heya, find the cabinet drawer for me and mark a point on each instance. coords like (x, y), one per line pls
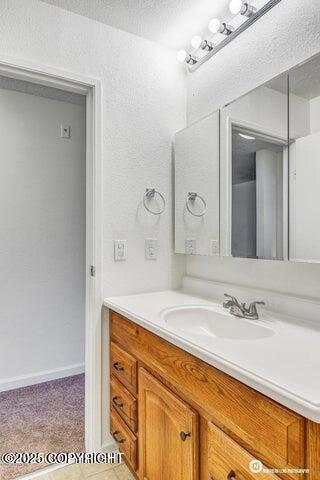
(261, 426)
(125, 439)
(124, 367)
(124, 403)
(228, 461)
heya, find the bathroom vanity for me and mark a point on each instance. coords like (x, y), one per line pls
(204, 404)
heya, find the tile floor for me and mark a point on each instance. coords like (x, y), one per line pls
(90, 472)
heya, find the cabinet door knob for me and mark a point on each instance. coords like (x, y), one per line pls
(184, 435)
(116, 403)
(231, 475)
(118, 367)
(115, 436)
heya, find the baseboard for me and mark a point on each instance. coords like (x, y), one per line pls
(40, 377)
(110, 447)
(41, 472)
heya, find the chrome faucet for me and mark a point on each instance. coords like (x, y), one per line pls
(240, 310)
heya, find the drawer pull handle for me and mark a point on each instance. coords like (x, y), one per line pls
(118, 367)
(115, 436)
(116, 403)
(184, 435)
(231, 475)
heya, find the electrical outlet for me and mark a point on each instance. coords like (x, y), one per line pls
(120, 250)
(214, 247)
(65, 131)
(151, 248)
(190, 246)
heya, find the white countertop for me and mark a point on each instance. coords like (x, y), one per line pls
(285, 366)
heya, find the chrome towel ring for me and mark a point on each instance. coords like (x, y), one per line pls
(150, 194)
(192, 196)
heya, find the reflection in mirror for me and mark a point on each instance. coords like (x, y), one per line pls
(305, 161)
(254, 174)
(257, 195)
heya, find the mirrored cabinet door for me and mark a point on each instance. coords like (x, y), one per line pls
(304, 177)
(254, 174)
(197, 188)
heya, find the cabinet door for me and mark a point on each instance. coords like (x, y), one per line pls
(227, 460)
(168, 433)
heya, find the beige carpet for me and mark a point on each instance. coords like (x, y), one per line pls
(48, 417)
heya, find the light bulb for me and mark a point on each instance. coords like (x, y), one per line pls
(196, 41)
(239, 6)
(214, 25)
(182, 55)
(235, 6)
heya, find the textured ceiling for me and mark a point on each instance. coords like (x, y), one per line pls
(169, 22)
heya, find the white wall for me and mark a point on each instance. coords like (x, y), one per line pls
(275, 43)
(42, 240)
(143, 106)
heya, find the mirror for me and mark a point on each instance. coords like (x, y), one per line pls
(197, 188)
(257, 195)
(305, 161)
(254, 174)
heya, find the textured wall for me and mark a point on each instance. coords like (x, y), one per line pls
(143, 106)
(285, 36)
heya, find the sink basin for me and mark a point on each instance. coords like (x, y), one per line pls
(213, 322)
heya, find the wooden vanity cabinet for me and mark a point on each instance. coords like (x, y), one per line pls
(197, 423)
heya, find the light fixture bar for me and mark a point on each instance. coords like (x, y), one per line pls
(250, 21)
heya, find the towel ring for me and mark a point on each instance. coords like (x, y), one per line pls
(192, 198)
(149, 194)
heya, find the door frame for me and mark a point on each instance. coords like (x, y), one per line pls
(226, 124)
(91, 88)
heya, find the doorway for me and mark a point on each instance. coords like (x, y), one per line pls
(70, 85)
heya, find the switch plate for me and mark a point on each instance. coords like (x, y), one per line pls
(65, 131)
(190, 246)
(151, 248)
(120, 250)
(215, 247)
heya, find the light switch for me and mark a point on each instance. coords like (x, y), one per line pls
(190, 246)
(120, 250)
(65, 131)
(214, 247)
(151, 248)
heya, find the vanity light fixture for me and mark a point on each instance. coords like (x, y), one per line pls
(230, 32)
(206, 45)
(184, 56)
(196, 41)
(215, 26)
(244, 8)
(181, 56)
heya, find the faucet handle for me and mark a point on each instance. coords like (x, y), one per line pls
(230, 297)
(231, 302)
(252, 310)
